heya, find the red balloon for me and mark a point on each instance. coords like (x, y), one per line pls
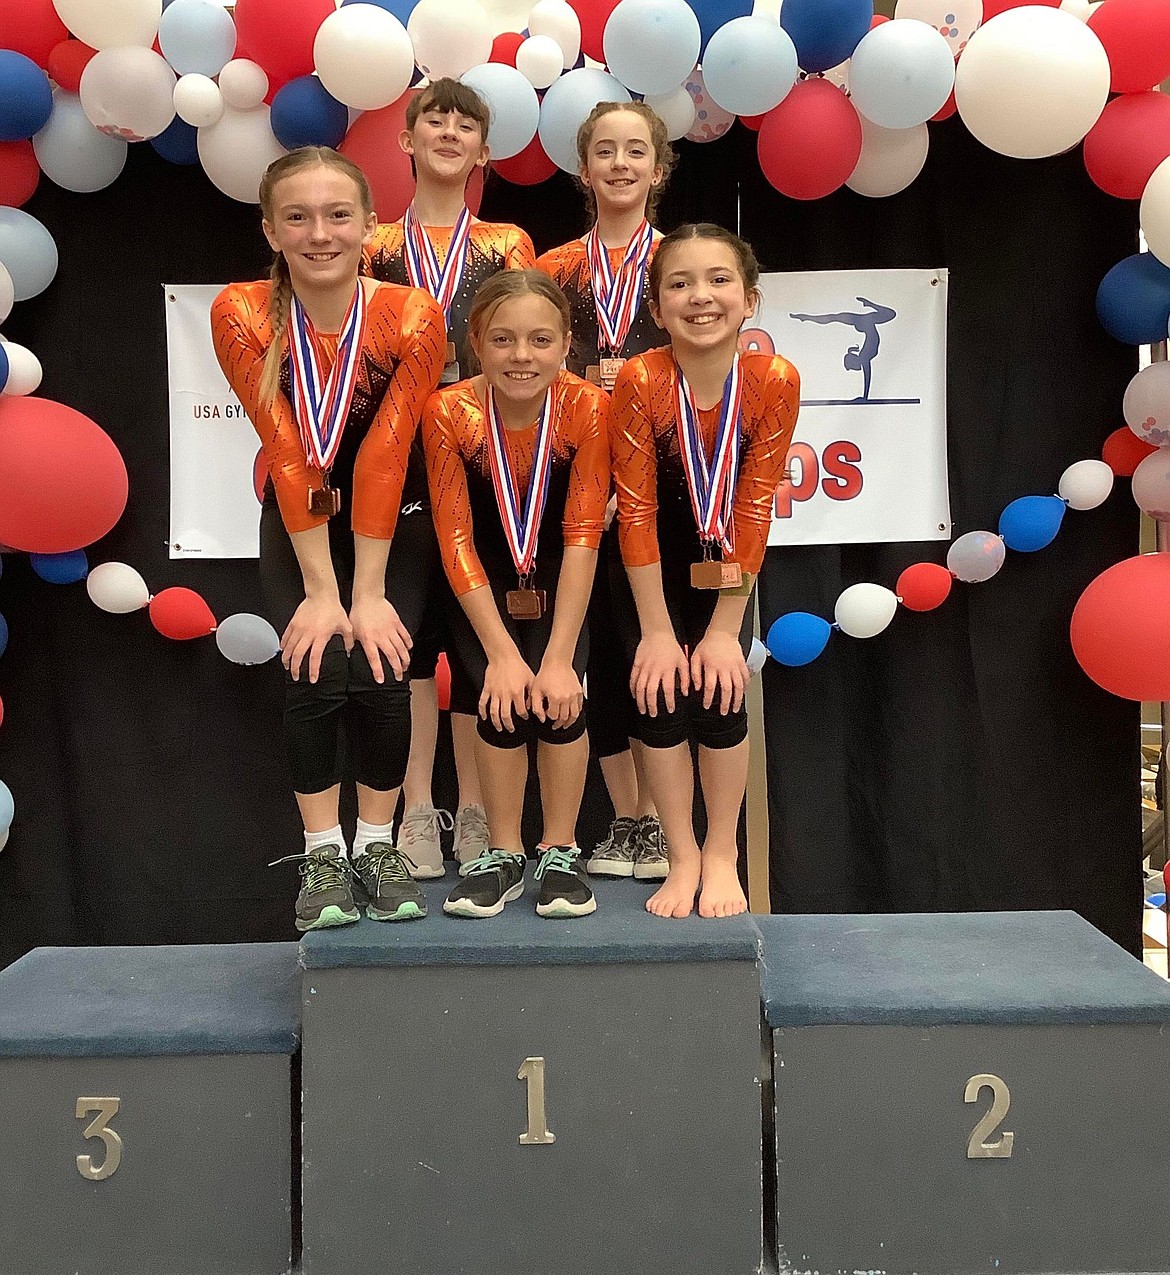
(279, 35)
(67, 61)
(593, 15)
(1129, 140)
(948, 108)
(181, 614)
(810, 143)
(372, 144)
(924, 586)
(877, 20)
(1120, 628)
(32, 27)
(992, 7)
(1123, 451)
(1, 712)
(63, 483)
(752, 121)
(19, 173)
(529, 168)
(504, 47)
(1136, 36)
(443, 682)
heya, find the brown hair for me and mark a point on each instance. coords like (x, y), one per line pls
(664, 155)
(749, 267)
(446, 95)
(281, 298)
(504, 286)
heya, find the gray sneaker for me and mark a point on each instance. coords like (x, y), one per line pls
(614, 857)
(471, 836)
(326, 897)
(419, 840)
(385, 886)
(650, 858)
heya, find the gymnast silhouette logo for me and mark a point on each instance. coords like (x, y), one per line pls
(859, 357)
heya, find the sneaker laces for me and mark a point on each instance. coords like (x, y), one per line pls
(387, 862)
(620, 832)
(556, 859)
(422, 823)
(472, 821)
(649, 836)
(321, 871)
(489, 862)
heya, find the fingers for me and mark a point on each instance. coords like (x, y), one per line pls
(315, 653)
(296, 655)
(739, 686)
(374, 655)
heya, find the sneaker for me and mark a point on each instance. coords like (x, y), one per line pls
(614, 857)
(325, 898)
(564, 891)
(418, 840)
(650, 861)
(385, 886)
(471, 837)
(491, 881)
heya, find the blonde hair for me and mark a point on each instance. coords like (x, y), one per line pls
(280, 300)
(506, 285)
(664, 156)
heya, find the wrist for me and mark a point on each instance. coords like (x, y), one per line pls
(322, 592)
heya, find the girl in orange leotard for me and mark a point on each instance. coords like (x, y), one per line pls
(333, 370)
(518, 464)
(699, 436)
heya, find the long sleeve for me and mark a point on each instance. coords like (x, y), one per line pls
(450, 502)
(635, 465)
(519, 254)
(586, 422)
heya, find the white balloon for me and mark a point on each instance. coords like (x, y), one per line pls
(976, 556)
(116, 587)
(513, 105)
(891, 158)
(236, 151)
(757, 656)
(74, 154)
(1150, 485)
(449, 41)
(864, 610)
(197, 37)
(7, 293)
(246, 639)
(651, 46)
(954, 20)
(128, 93)
(364, 56)
(243, 84)
(24, 370)
(104, 24)
(901, 73)
(1154, 214)
(1145, 405)
(676, 110)
(198, 101)
(565, 107)
(1086, 484)
(711, 120)
(4, 838)
(557, 19)
(27, 250)
(540, 60)
(1078, 8)
(749, 65)
(1032, 82)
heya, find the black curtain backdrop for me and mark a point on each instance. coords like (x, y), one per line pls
(959, 761)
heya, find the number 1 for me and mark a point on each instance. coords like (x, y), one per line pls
(532, 1071)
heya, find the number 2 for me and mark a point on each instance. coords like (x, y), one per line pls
(99, 1127)
(978, 1146)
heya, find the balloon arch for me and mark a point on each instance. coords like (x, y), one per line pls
(838, 96)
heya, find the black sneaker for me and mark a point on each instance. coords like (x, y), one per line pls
(325, 898)
(385, 886)
(650, 859)
(614, 857)
(564, 891)
(491, 881)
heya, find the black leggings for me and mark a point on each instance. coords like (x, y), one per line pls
(611, 706)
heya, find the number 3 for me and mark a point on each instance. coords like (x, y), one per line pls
(99, 1127)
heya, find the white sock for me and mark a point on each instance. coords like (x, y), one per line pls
(367, 832)
(330, 837)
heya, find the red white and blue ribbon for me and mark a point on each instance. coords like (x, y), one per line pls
(618, 294)
(521, 520)
(321, 403)
(422, 261)
(712, 486)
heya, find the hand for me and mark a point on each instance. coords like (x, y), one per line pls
(379, 631)
(658, 664)
(313, 623)
(556, 693)
(718, 665)
(506, 686)
(610, 511)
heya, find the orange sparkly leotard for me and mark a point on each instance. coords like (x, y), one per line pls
(402, 359)
(467, 517)
(655, 517)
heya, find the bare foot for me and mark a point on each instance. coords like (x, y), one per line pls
(676, 895)
(722, 893)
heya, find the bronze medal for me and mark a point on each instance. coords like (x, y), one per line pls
(715, 575)
(526, 603)
(324, 501)
(593, 374)
(608, 371)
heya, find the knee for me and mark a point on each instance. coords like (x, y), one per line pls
(713, 729)
(665, 729)
(547, 733)
(518, 738)
(331, 684)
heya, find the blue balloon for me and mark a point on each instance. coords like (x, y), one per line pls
(178, 143)
(712, 14)
(60, 568)
(1156, 901)
(825, 32)
(3, 635)
(26, 97)
(3, 368)
(1031, 522)
(798, 638)
(7, 807)
(401, 9)
(304, 113)
(1133, 301)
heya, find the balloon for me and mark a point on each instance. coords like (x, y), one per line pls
(181, 614)
(7, 293)
(443, 682)
(711, 120)
(279, 34)
(446, 47)
(891, 158)
(1154, 213)
(111, 22)
(1151, 485)
(1120, 628)
(1136, 37)
(651, 46)
(922, 586)
(1082, 9)
(540, 60)
(67, 62)
(1031, 522)
(1086, 484)
(954, 20)
(513, 104)
(364, 57)
(19, 173)
(197, 37)
(76, 156)
(305, 113)
(117, 588)
(178, 143)
(401, 9)
(505, 46)
(865, 610)
(128, 93)
(34, 28)
(3, 635)
(198, 101)
(1146, 404)
(809, 145)
(976, 557)
(243, 83)
(3, 838)
(529, 168)
(7, 807)
(247, 639)
(26, 97)
(557, 19)
(593, 15)
(825, 32)
(750, 65)
(60, 568)
(565, 107)
(24, 370)
(798, 638)
(236, 151)
(901, 73)
(947, 110)
(1128, 142)
(1133, 300)
(713, 14)
(676, 110)
(1123, 451)
(1032, 82)
(62, 481)
(757, 656)
(3, 367)
(4, 834)
(28, 252)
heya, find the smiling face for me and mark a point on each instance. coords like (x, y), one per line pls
(445, 146)
(621, 168)
(701, 301)
(317, 221)
(521, 346)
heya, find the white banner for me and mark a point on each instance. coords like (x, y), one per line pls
(869, 460)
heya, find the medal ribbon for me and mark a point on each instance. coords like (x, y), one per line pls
(321, 404)
(422, 261)
(617, 296)
(712, 487)
(521, 522)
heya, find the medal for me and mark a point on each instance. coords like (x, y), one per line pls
(325, 501)
(609, 369)
(450, 366)
(442, 282)
(616, 295)
(525, 603)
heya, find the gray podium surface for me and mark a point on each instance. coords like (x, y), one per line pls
(417, 1123)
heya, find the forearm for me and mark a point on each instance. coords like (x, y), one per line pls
(729, 612)
(574, 585)
(480, 608)
(315, 561)
(369, 567)
(650, 601)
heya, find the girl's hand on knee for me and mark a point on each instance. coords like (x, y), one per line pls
(379, 631)
(313, 623)
(659, 663)
(506, 690)
(719, 668)
(557, 693)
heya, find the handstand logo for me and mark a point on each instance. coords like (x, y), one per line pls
(861, 356)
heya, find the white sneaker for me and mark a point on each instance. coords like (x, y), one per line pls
(471, 836)
(419, 840)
